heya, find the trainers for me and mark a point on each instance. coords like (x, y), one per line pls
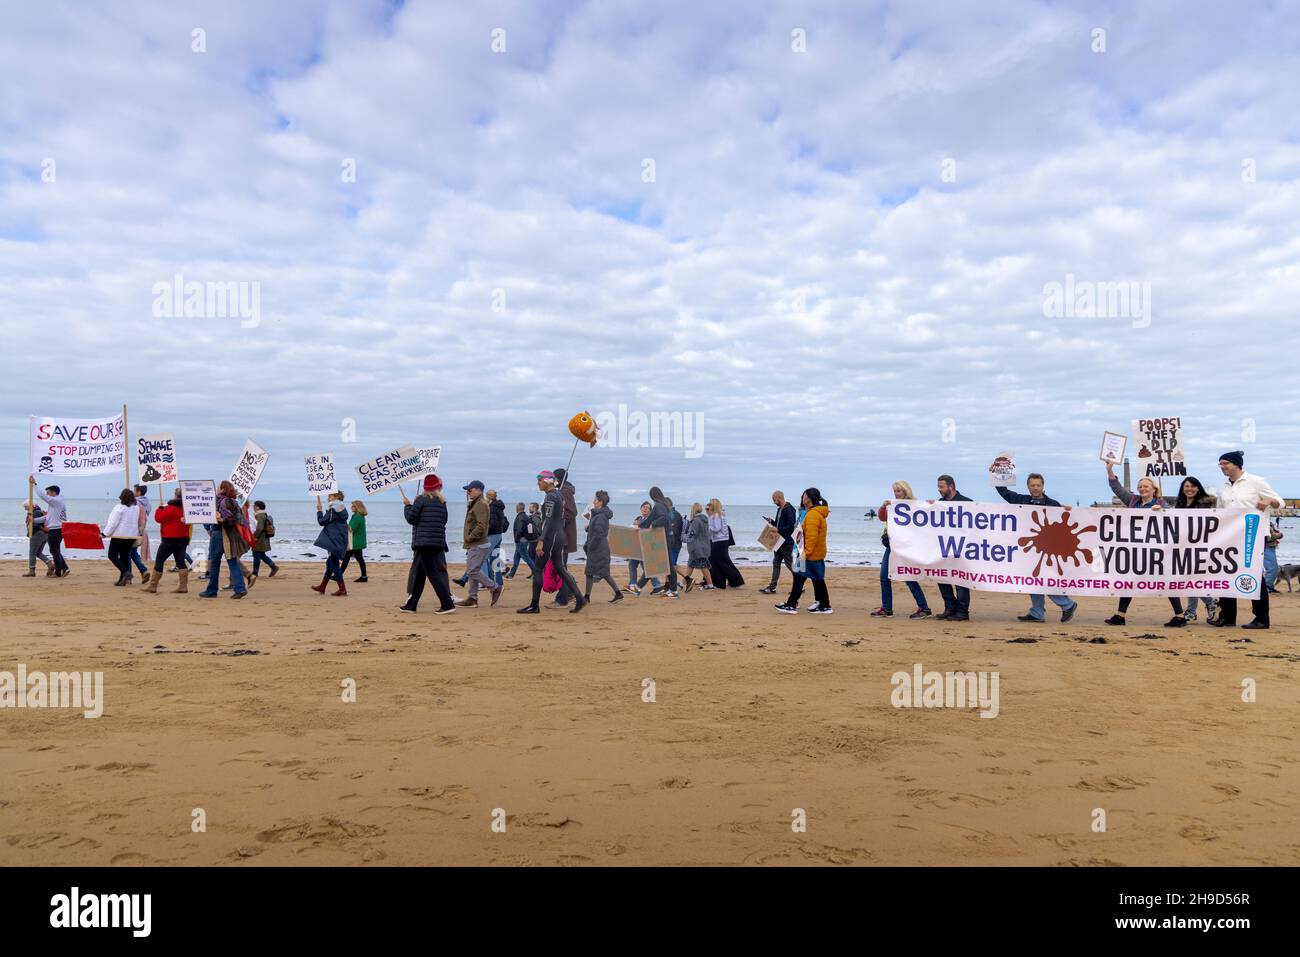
(920, 613)
(496, 594)
(1190, 616)
(406, 608)
(882, 612)
(631, 589)
(1178, 621)
(1028, 618)
(657, 591)
(444, 611)
(671, 594)
(467, 603)
(769, 590)
(1115, 620)
(819, 610)
(1069, 612)
(529, 610)
(786, 608)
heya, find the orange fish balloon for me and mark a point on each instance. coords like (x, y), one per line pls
(583, 427)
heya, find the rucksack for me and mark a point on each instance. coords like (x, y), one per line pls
(269, 528)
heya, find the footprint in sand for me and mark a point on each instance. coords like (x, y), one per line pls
(1198, 834)
(1109, 783)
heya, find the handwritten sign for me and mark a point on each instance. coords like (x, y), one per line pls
(430, 455)
(1112, 447)
(248, 469)
(156, 457)
(199, 501)
(1160, 447)
(391, 468)
(77, 446)
(321, 479)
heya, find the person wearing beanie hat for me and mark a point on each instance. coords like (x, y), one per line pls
(570, 495)
(427, 516)
(1243, 490)
(550, 546)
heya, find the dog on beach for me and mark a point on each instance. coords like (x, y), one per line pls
(1287, 573)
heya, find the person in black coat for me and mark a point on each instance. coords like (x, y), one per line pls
(570, 495)
(427, 516)
(785, 521)
(956, 601)
(525, 534)
(550, 547)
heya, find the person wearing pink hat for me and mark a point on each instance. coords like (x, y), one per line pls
(550, 547)
(427, 516)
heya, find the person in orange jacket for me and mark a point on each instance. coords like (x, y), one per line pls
(812, 531)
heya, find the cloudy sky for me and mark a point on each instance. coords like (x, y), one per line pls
(827, 228)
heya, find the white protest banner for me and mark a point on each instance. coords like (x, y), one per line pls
(248, 469)
(199, 501)
(387, 470)
(320, 474)
(1083, 551)
(77, 446)
(1002, 473)
(1160, 447)
(1112, 447)
(156, 457)
(430, 455)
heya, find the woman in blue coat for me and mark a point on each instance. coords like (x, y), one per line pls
(333, 538)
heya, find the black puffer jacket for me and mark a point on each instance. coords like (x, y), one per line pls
(498, 524)
(428, 518)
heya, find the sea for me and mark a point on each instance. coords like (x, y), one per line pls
(854, 532)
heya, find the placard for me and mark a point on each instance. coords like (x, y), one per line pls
(155, 457)
(770, 538)
(248, 469)
(1002, 471)
(430, 455)
(199, 501)
(391, 468)
(625, 541)
(1112, 447)
(76, 446)
(1159, 447)
(654, 552)
(321, 479)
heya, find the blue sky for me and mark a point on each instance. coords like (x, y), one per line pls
(799, 269)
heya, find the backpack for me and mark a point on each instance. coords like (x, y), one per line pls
(269, 528)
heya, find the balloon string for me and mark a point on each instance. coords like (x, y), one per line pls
(572, 453)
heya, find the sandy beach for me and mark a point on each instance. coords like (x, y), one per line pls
(236, 708)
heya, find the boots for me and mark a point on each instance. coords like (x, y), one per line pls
(183, 585)
(321, 587)
(30, 573)
(154, 579)
(343, 590)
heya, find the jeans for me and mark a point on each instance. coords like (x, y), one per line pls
(56, 550)
(216, 549)
(783, 555)
(633, 567)
(523, 553)
(139, 563)
(494, 553)
(475, 562)
(955, 599)
(1037, 606)
(1270, 567)
(36, 549)
(887, 587)
(261, 558)
(334, 567)
(1210, 604)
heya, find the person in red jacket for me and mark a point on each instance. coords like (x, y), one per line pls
(175, 539)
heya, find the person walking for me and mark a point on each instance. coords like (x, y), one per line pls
(224, 541)
(663, 515)
(140, 554)
(498, 525)
(596, 547)
(174, 539)
(263, 533)
(36, 541)
(1241, 489)
(1147, 496)
(56, 513)
(570, 496)
(956, 601)
(698, 548)
(813, 528)
(1037, 606)
(525, 534)
(783, 554)
(1271, 541)
(477, 546)
(1192, 494)
(634, 564)
(725, 572)
(550, 546)
(356, 540)
(902, 492)
(123, 532)
(427, 516)
(333, 539)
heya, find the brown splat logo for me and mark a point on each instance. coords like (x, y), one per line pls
(1056, 541)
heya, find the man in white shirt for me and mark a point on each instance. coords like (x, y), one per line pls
(1242, 490)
